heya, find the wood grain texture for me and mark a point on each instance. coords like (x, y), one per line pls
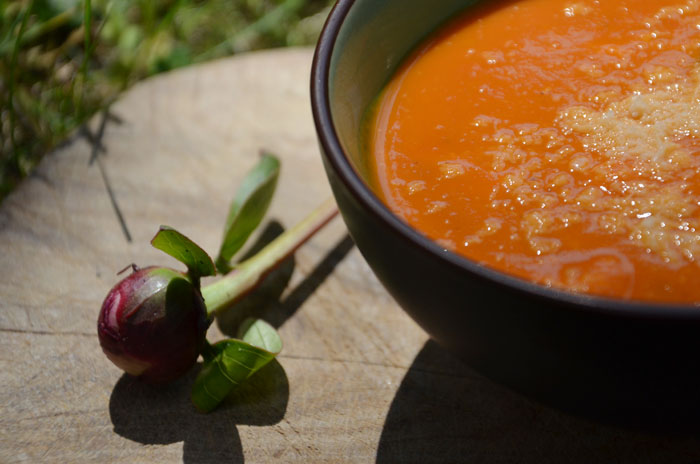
(357, 380)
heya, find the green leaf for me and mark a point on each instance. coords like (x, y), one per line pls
(248, 208)
(230, 362)
(261, 334)
(183, 249)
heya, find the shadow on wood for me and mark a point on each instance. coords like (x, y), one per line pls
(259, 301)
(264, 302)
(98, 148)
(445, 412)
(157, 415)
(278, 314)
(163, 415)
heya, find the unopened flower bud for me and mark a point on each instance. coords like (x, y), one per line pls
(153, 324)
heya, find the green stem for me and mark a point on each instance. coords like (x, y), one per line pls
(247, 275)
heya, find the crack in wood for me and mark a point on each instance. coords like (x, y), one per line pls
(294, 447)
(57, 414)
(44, 332)
(341, 361)
(373, 364)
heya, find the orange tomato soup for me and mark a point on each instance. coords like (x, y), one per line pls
(554, 140)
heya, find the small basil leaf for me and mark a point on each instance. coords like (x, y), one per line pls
(248, 208)
(231, 362)
(261, 334)
(183, 249)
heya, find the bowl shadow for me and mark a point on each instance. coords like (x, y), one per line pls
(445, 412)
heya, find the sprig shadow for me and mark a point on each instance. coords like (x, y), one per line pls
(265, 301)
(258, 302)
(164, 415)
(445, 412)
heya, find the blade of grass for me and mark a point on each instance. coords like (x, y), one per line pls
(87, 31)
(267, 22)
(37, 31)
(11, 86)
(143, 50)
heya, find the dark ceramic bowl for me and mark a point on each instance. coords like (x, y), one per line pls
(601, 357)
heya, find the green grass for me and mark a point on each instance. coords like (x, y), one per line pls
(63, 60)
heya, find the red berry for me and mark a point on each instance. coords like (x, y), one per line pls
(153, 324)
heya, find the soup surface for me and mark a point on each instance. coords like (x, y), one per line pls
(555, 140)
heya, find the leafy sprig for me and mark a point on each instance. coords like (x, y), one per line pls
(248, 208)
(230, 362)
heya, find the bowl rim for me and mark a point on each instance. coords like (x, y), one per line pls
(335, 155)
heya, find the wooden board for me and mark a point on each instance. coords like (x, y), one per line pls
(357, 381)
